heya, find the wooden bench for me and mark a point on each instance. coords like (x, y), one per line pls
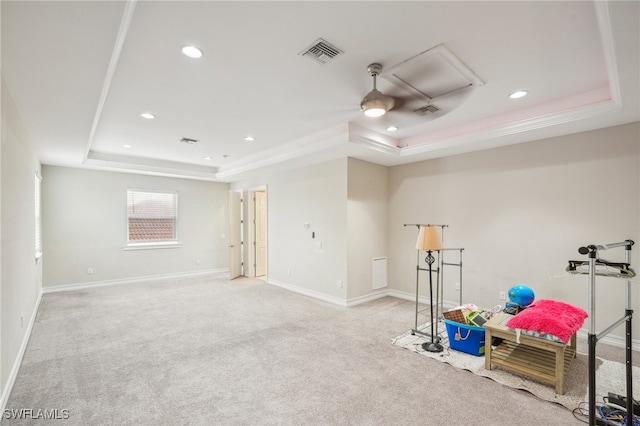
(542, 360)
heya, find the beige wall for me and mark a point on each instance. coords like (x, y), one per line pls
(367, 194)
(316, 195)
(521, 212)
(345, 204)
(21, 276)
(84, 226)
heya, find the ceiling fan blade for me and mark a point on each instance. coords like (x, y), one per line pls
(327, 115)
(398, 103)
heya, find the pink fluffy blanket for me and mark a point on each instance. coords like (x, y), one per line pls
(551, 317)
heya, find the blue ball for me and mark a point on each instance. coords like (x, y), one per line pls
(521, 295)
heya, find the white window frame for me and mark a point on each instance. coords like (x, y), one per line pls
(38, 216)
(154, 244)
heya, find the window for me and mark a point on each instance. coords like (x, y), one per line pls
(38, 216)
(151, 218)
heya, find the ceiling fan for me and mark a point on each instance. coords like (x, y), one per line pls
(376, 103)
(413, 102)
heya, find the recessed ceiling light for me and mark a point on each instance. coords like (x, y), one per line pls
(392, 128)
(127, 146)
(249, 138)
(147, 115)
(208, 158)
(192, 52)
(518, 94)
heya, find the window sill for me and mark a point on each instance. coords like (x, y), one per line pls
(152, 245)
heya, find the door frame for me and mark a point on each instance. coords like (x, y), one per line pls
(250, 269)
(237, 223)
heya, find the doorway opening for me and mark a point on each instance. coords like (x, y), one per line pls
(248, 233)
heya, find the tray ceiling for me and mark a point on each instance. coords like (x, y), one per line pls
(81, 73)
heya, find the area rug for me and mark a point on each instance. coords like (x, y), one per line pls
(610, 375)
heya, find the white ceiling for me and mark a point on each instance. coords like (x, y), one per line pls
(81, 73)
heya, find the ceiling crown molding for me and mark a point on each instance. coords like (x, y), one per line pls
(127, 15)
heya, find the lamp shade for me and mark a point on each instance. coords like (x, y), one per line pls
(429, 238)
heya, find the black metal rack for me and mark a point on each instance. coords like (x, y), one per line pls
(597, 266)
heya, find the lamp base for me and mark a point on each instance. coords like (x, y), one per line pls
(432, 347)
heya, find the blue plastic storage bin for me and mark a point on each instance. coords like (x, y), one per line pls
(465, 338)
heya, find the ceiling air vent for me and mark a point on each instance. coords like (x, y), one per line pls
(321, 52)
(428, 109)
(189, 140)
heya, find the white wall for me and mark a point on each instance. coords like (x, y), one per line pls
(84, 226)
(21, 276)
(316, 195)
(521, 212)
(345, 204)
(367, 195)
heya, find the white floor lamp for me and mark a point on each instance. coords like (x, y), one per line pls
(429, 240)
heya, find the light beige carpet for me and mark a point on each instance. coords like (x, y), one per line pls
(610, 375)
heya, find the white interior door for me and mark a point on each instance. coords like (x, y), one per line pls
(235, 234)
(261, 233)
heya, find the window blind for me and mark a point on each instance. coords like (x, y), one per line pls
(151, 216)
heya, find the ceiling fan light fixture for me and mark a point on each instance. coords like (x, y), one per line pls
(376, 104)
(375, 112)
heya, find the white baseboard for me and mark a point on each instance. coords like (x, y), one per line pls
(18, 361)
(446, 304)
(306, 292)
(612, 339)
(162, 277)
(376, 294)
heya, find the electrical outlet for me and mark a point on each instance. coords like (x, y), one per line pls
(340, 284)
(458, 286)
(289, 272)
(90, 271)
(503, 295)
(197, 261)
